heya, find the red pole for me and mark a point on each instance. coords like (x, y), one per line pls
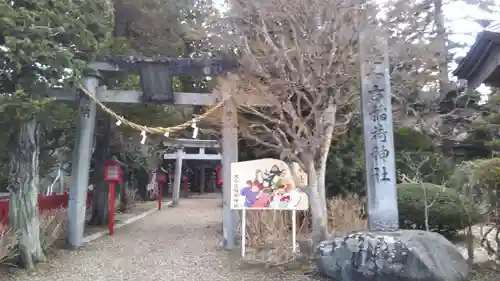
(219, 177)
(111, 208)
(160, 194)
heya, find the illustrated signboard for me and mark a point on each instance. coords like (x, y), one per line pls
(267, 184)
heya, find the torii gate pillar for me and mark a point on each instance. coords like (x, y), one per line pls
(177, 177)
(229, 155)
(82, 154)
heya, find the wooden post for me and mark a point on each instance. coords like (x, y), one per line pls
(185, 189)
(202, 179)
(378, 131)
(160, 194)
(112, 208)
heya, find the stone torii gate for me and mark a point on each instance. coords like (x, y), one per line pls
(156, 84)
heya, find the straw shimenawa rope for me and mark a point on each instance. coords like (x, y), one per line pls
(152, 130)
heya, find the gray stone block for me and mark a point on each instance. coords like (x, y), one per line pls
(406, 255)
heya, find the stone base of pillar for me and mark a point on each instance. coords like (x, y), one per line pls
(172, 204)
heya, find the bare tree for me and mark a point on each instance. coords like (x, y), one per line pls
(300, 57)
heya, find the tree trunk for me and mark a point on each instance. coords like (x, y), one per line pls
(470, 246)
(124, 186)
(317, 175)
(426, 206)
(441, 39)
(318, 206)
(24, 181)
(100, 204)
(100, 195)
(142, 181)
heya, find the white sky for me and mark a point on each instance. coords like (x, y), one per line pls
(459, 16)
(460, 20)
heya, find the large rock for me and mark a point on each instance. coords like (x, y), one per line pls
(406, 255)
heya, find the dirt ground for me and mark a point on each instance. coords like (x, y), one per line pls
(181, 243)
(485, 271)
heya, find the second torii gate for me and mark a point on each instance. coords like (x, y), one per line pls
(156, 84)
(181, 155)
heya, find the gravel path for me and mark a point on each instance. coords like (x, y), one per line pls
(180, 243)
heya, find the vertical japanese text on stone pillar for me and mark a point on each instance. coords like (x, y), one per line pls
(378, 138)
(378, 115)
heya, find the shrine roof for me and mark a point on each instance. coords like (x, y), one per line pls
(487, 44)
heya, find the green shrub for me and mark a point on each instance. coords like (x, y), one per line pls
(449, 212)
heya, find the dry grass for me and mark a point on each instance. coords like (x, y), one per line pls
(52, 227)
(8, 243)
(345, 214)
(269, 237)
(52, 230)
(269, 233)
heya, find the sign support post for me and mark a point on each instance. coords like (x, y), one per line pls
(294, 231)
(243, 232)
(161, 179)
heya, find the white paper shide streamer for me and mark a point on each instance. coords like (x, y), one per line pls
(195, 129)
